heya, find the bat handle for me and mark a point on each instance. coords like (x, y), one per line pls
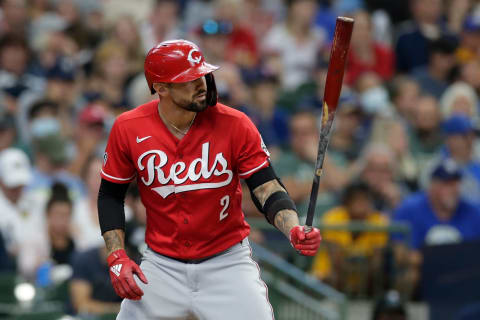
(307, 229)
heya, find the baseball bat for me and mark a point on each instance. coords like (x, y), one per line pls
(333, 86)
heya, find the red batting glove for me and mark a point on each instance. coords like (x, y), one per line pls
(122, 269)
(305, 243)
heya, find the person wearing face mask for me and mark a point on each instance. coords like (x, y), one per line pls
(373, 98)
(43, 119)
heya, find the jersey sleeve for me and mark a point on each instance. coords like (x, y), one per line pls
(117, 166)
(252, 154)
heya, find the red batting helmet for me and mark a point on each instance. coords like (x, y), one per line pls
(177, 61)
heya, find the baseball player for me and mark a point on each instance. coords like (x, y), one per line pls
(188, 153)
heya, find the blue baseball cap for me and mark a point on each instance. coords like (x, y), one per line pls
(458, 124)
(447, 170)
(472, 23)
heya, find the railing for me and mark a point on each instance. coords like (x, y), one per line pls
(296, 295)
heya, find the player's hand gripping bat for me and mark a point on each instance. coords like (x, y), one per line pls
(333, 86)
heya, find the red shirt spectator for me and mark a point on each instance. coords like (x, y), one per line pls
(382, 63)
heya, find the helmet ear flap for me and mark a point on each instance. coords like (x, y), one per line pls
(211, 90)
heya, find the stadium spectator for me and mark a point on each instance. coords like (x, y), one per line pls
(85, 216)
(378, 167)
(405, 93)
(15, 77)
(110, 74)
(51, 158)
(90, 135)
(294, 45)
(125, 32)
(163, 23)
(90, 289)
(18, 209)
(434, 77)
(438, 215)
(271, 121)
(8, 133)
(373, 95)
(470, 73)
(425, 136)
(14, 18)
(459, 145)
(53, 245)
(241, 47)
(296, 164)
(345, 251)
(412, 49)
(459, 98)
(365, 54)
(469, 46)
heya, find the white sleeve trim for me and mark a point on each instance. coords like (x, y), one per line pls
(115, 178)
(254, 169)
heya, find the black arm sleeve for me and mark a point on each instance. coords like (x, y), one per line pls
(111, 212)
(277, 201)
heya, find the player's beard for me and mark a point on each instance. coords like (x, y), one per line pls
(192, 105)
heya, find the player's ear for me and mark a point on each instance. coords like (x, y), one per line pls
(160, 88)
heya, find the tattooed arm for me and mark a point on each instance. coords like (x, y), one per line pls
(286, 219)
(114, 240)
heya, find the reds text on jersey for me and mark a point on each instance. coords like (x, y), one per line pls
(190, 187)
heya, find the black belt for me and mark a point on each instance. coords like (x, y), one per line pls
(195, 261)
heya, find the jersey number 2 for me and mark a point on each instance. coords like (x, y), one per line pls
(225, 201)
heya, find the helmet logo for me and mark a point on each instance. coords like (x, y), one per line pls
(195, 60)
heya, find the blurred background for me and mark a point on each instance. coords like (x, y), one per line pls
(399, 199)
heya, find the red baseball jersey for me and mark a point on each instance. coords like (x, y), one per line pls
(190, 186)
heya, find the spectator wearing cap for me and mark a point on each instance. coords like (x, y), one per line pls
(271, 121)
(90, 135)
(459, 131)
(19, 209)
(438, 215)
(343, 250)
(434, 77)
(52, 155)
(469, 47)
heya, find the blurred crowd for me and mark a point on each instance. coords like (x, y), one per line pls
(404, 146)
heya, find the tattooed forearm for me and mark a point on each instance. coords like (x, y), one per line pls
(285, 220)
(114, 240)
(264, 191)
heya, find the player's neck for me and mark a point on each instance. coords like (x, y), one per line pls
(177, 120)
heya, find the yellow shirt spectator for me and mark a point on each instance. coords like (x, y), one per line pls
(362, 244)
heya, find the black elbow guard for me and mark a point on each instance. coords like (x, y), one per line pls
(111, 211)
